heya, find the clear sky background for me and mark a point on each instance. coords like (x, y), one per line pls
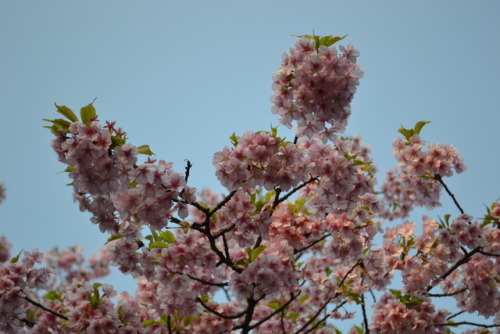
(181, 76)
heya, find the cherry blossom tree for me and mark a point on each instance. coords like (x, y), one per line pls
(300, 234)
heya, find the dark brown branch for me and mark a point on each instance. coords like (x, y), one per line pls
(447, 294)
(194, 278)
(463, 260)
(169, 325)
(314, 316)
(454, 315)
(365, 318)
(221, 204)
(294, 190)
(276, 197)
(226, 246)
(245, 326)
(319, 322)
(456, 324)
(489, 254)
(440, 180)
(57, 314)
(188, 169)
(220, 315)
(295, 251)
(223, 231)
(282, 308)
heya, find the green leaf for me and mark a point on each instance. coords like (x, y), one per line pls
(16, 258)
(275, 305)
(88, 114)
(358, 329)
(117, 141)
(324, 40)
(114, 237)
(167, 236)
(303, 298)
(149, 323)
(234, 139)
(293, 315)
(419, 126)
(95, 299)
(66, 112)
(53, 295)
(144, 149)
(158, 244)
(254, 253)
(408, 133)
(330, 40)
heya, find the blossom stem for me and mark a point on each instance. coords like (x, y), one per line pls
(282, 308)
(57, 314)
(440, 180)
(456, 324)
(365, 318)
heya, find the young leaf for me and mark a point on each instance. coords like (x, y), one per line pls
(66, 112)
(88, 113)
(254, 253)
(168, 237)
(234, 139)
(144, 149)
(16, 258)
(419, 126)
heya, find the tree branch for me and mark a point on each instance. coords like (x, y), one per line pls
(440, 180)
(463, 260)
(276, 311)
(456, 324)
(220, 315)
(57, 314)
(294, 190)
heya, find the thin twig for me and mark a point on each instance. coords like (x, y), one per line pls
(188, 168)
(440, 180)
(275, 311)
(314, 316)
(456, 324)
(447, 294)
(220, 315)
(57, 314)
(365, 318)
(463, 260)
(194, 278)
(311, 244)
(294, 190)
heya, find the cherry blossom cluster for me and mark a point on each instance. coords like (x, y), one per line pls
(107, 180)
(292, 247)
(314, 87)
(259, 160)
(415, 181)
(392, 316)
(341, 173)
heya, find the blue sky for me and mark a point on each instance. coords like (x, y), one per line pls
(181, 76)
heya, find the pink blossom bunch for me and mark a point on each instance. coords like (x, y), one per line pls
(344, 177)
(392, 316)
(259, 160)
(17, 279)
(475, 286)
(107, 180)
(415, 182)
(292, 247)
(268, 276)
(314, 87)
